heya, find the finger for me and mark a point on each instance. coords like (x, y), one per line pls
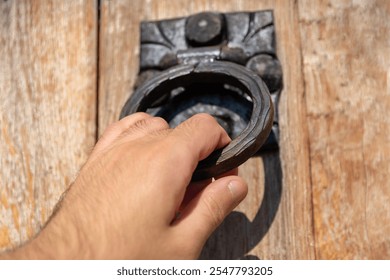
(113, 131)
(209, 208)
(196, 187)
(190, 142)
(196, 138)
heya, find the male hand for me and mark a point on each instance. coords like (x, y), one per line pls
(134, 198)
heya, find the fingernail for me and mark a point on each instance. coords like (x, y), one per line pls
(235, 188)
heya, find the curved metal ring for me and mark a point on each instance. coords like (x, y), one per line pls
(244, 145)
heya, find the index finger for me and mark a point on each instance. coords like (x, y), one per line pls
(196, 138)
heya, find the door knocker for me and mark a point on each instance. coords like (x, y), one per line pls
(221, 64)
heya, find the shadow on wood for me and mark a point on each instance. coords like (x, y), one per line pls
(236, 236)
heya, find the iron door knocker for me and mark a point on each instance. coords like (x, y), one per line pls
(221, 64)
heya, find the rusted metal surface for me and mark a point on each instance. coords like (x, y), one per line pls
(213, 63)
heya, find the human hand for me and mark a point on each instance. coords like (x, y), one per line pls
(134, 197)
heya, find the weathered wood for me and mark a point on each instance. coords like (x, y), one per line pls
(278, 225)
(324, 195)
(47, 107)
(346, 62)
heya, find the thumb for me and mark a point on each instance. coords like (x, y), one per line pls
(209, 208)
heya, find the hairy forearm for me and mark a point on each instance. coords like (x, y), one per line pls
(55, 241)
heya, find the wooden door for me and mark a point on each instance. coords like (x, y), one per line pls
(67, 69)
(48, 65)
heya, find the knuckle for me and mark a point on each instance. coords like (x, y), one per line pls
(159, 123)
(133, 118)
(151, 124)
(203, 118)
(140, 124)
(139, 115)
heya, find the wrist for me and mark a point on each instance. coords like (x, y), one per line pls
(63, 237)
(58, 240)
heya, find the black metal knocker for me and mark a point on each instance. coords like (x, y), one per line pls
(212, 63)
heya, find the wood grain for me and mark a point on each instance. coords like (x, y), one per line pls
(47, 107)
(275, 221)
(346, 62)
(324, 195)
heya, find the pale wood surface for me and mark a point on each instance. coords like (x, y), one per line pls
(281, 225)
(346, 62)
(47, 107)
(325, 195)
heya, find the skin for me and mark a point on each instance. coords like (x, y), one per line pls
(134, 199)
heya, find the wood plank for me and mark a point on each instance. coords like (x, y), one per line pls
(346, 62)
(275, 221)
(47, 107)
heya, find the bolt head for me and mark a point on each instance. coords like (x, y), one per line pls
(204, 29)
(269, 69)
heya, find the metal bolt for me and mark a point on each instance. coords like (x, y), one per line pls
(269, 69)
(204, 29)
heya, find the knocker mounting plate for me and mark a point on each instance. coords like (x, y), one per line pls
(224, 64)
